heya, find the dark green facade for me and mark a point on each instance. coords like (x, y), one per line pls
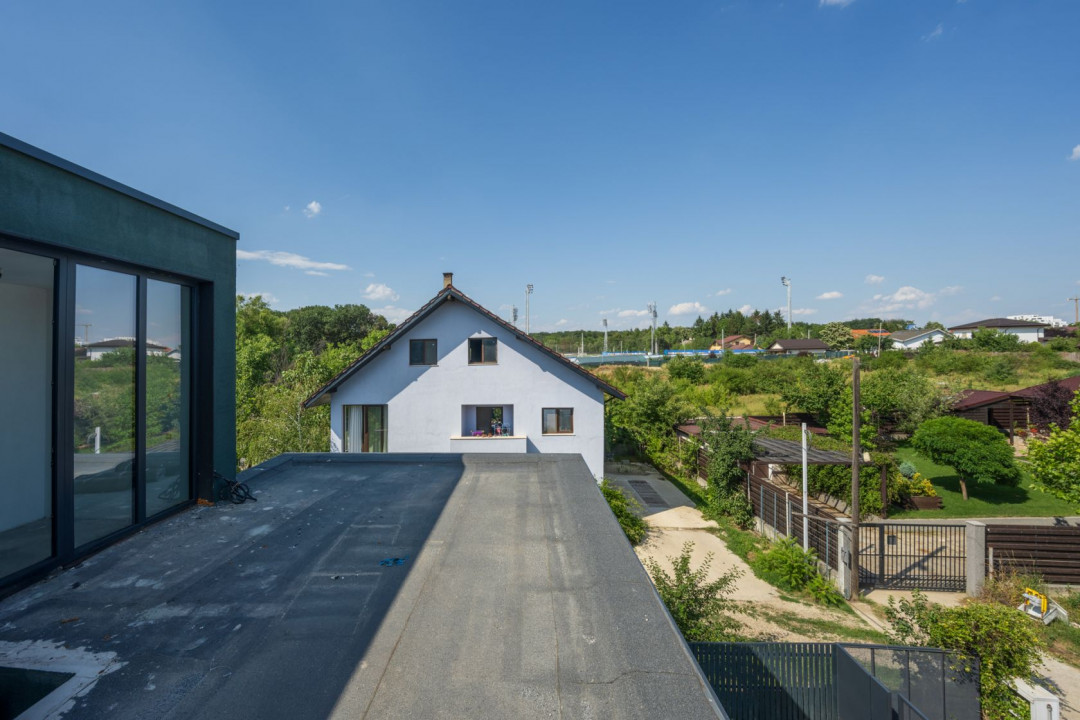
(80, 222)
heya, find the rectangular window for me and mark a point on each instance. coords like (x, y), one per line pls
(423, 352)
(558, 421)
(365, 428)
(483, 351)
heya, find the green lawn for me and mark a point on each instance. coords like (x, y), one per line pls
(983, 500)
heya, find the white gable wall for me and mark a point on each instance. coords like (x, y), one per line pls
(934, 336)
(424, 403)
(1025, 334)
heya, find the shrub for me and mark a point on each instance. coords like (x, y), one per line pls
(787, 566)
(824, 592)
(698, 605)
(731, 504)
(1001, 637)
(626, 511)
(686, 368)
(907, 469)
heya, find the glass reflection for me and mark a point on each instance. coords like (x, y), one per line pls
(26, 352)
(104, 437)
(167, 395)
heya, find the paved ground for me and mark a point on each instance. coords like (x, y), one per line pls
(427, 587)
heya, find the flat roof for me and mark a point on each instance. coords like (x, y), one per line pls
(37, 153)
(379, 586)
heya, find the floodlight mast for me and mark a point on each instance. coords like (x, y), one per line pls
(528, 292)
(652, 312)
(786, 282)
(1076, 309)
(605, 336)
(513, 314)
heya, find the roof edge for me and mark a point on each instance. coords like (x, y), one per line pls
(66, 165)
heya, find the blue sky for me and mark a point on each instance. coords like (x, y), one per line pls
(907, 158)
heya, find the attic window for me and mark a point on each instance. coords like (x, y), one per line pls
(483, 351)
(423, 352)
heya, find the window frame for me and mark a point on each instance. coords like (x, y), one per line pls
(559, 413)
(434, 352)
(481, 343)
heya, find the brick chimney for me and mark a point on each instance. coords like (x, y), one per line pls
(447, 279)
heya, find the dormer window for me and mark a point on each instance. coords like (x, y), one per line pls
(483, 351)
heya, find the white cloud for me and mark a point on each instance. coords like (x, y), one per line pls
(379, 292)
(288, 259)
(1075, 153)
(874, 279)
(561, 322)
(288, 208)
(996, 298)
(633, 313)
(935, 33)
(369, 274)
(906, 298)
(391, 313)
(268, 297)
(688, 308)
(835, 3)
(803, 311)
(950, 290)
(312, 209)
(831, 295)
(725, 291)
(746, 309)
(318, 273)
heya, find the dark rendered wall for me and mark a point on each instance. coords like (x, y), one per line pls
(46, 199)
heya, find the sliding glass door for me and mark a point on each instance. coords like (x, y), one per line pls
(365, 428)
(26, 409)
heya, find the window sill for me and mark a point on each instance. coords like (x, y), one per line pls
(557, 434)
(481, 364)
(423, 365)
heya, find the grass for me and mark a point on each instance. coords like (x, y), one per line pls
(823, 630)
(983, 500)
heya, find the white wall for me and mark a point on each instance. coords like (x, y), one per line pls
(1025, 334)
(25, 400)
(933, 336)
(424, 403)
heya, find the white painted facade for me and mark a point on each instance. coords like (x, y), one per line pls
(1025, 334)
(431, 408)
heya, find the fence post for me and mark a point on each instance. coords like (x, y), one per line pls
(843, 557)
(974, 556)
(787, 514)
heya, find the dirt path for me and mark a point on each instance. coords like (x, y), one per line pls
(765, 612)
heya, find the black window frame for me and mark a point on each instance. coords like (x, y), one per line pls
(480, 346)
(559, 412)
(425, 344)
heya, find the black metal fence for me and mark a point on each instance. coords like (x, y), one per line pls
(909, 556)
(822, 681)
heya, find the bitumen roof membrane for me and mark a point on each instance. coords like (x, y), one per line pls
(363, 586)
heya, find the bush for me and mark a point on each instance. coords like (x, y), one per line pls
(1001, 637)
(698, 605)
(907, 469)
(787, 566)
(731, 504)
(626, 511)
(686, 368)
(977, 452)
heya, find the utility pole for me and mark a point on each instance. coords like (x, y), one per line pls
(786, 282)
(605, 336)
(805, 494)
(856, 457)
(1076, 309)
(528, 292)
(652, 311)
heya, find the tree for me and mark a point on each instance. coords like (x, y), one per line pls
(933, 325)
(1050, 405)
(900, 397)
(686, 368)
(836, 335)
(698, 606)
(995, 340)
(870, 343)
(1055, 461)
(977, 452)
(816, 390)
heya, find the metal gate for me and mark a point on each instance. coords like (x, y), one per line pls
(910, 556)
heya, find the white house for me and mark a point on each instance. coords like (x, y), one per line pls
(456, 378)
(914, 339)
(1025, 330)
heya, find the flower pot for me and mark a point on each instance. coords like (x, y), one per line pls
(920, 502)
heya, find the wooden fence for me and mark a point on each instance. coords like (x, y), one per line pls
(1052, 551)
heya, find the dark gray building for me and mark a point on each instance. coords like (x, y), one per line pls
(117, 359)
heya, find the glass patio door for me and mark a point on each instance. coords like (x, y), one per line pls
(365, 428)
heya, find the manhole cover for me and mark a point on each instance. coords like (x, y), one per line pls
(21, 688)
(648, 496)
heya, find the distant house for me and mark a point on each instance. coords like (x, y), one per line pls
(1024, 330)
(798, 346)
(95, 350)
(914, 339)
(456, 378)
(732, 342)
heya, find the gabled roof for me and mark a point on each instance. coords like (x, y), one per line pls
(998, 323)
(905, 335)
(1072, 384)
(800, 344)
(449, 294)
